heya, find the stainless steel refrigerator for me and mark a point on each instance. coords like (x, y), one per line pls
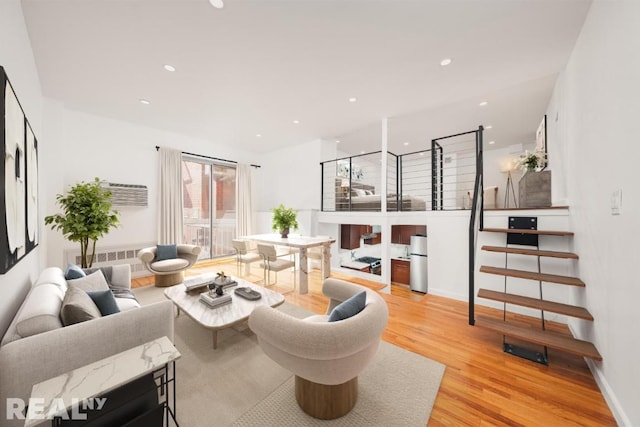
(419, 266)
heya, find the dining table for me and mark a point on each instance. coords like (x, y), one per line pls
(302, 243)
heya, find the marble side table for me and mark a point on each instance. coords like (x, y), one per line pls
(55, 398)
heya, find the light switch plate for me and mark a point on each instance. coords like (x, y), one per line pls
(616, 202)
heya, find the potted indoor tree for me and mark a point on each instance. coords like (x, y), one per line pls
(86, 216)
(284, 219)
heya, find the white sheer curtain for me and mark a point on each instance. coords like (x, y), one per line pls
(170, 196)
(244, 204)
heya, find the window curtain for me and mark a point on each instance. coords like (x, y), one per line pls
(170, 197)
(244, 204)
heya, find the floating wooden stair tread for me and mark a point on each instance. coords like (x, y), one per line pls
(521, 251)
(537, 336)
(527, 231)
(555, 307)
(544, 277)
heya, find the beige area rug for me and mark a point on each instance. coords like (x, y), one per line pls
(238, 385)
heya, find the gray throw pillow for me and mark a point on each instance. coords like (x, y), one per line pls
(78, 307)
(105, 301)
(93, 282)
(349, 307)
(166, 252)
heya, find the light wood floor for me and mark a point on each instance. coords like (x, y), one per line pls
(482, 386)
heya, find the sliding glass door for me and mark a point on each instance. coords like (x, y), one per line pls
(209, 201)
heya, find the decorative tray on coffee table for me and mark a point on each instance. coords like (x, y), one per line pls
(248, 293)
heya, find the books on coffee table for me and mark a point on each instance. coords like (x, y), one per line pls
(215, 300)
(193, 283)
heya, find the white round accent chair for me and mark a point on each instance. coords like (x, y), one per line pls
(325, 357)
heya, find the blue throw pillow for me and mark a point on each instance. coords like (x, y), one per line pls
(73, 272)
(166, 252)
(105, 301)
(349, 307)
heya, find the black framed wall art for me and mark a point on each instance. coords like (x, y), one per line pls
(19, 179)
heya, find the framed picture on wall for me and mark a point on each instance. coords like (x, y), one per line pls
(541, 140)
(18, 180)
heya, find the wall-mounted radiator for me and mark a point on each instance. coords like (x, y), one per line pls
(126, 254)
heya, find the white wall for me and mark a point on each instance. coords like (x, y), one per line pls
(88, 146)
(597, 109)
(17, 59)
(494, 161)
(290, 176)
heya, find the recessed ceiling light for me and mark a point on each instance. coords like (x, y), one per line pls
(362, 152)
(489, 127)
(218, 4)
(405, 143)
(258, 135)
(169, 67)
(295, 122)
(445, 62)
(421, 153)
(491, 142)
(483, 103)
(337, 141)
(352, 99)
(144, 101)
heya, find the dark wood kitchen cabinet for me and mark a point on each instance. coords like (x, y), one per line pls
(400, 271)
(350, 235)
(401, 234)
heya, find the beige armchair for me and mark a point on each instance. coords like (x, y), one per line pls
(169, 272)
(325, 357)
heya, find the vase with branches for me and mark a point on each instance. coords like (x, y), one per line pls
(86, 216)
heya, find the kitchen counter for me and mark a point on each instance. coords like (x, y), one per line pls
(401, 258)
(355, 265)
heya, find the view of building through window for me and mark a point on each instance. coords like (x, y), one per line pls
(209, 202)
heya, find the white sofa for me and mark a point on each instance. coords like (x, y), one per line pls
(37, 347)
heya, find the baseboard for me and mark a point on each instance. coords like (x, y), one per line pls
(607, 392)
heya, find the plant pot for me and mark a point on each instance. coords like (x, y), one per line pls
(534, 189)
(284, 233)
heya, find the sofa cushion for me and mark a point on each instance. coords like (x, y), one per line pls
(93, 282)
(125, 304)
(77, 307)
(118, 277)
(166, 252)
(349, 307)
(105, 301)
(73, 272)
(39, 313)
(52, 275)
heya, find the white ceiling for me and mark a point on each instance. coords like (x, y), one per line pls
(255, 66)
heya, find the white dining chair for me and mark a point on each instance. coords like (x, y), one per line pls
(271, 262)
(244, 255)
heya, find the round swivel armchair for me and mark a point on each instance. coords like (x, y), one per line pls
(169, 272)
(325, 357)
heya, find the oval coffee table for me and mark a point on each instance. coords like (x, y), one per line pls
(224, 316)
